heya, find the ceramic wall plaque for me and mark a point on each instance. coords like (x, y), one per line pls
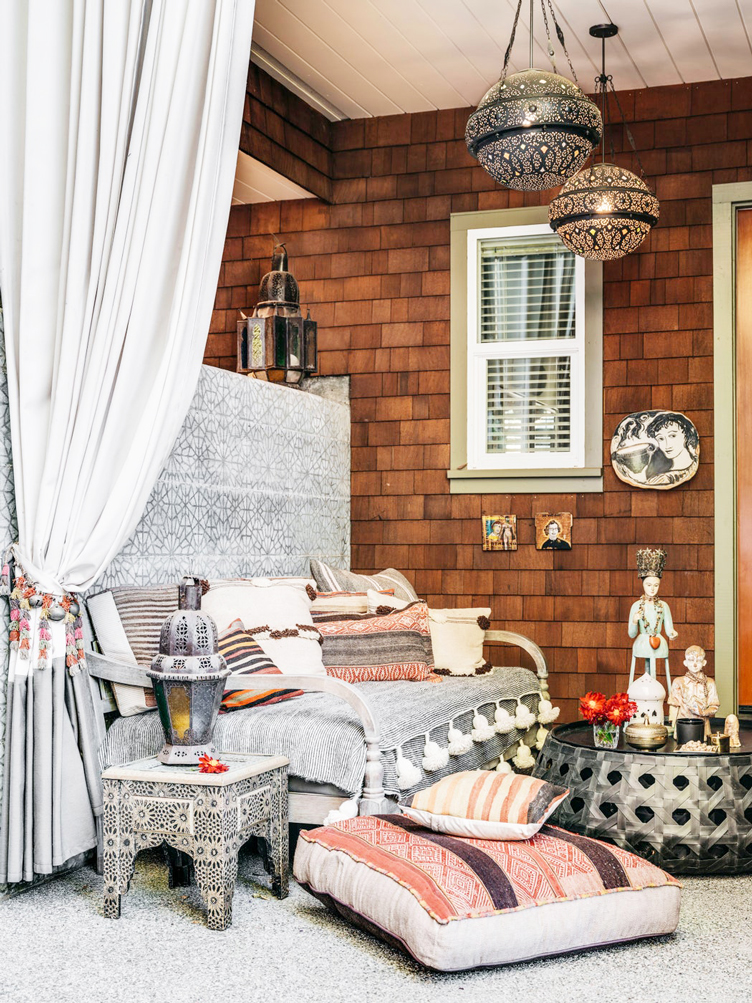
(553, 531)
(499, 532)
(655, 449)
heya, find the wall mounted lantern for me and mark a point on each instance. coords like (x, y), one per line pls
(276, 342)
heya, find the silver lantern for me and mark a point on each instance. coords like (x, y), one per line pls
(188, 676)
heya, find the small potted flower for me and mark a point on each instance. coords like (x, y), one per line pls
(607, 716)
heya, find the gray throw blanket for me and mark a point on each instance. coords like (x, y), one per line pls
(323, 738)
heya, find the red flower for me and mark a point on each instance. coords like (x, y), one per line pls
(209, 765)
(593, 707)
(620, 708)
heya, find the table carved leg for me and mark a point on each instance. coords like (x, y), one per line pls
(278, 837)
(216, 883)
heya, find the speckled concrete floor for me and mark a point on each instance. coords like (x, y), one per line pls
(55, 947)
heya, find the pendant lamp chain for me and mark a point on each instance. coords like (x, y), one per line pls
(533, 129)
(604, 211)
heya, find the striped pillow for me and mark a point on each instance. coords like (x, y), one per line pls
(330, 579)
(361, 647)
(245, 657)
(346, 602)
(483, 804)
(142, 612)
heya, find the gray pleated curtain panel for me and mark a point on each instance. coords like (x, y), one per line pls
(120, 125)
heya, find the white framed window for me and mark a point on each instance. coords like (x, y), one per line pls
(526, 357)
(526, 350)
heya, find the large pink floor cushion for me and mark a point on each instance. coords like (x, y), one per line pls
(454, 903)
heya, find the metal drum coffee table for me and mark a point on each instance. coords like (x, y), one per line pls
(689, 813)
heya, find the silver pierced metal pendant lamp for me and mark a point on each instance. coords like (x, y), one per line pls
(533, 130)
(605, 211)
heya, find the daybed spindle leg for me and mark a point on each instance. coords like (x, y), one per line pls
(374, 800)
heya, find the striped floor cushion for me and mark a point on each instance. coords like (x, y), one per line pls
(245, 657)
(455, 903)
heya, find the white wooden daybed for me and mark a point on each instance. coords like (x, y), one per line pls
(312, 793)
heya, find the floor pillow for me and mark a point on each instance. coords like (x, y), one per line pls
(455, 903)
(245, 657)
(485, 804)
(329, 579)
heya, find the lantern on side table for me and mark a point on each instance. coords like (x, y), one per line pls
(188, 676)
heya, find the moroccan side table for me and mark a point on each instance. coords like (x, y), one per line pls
(207, 816)
(687, 813)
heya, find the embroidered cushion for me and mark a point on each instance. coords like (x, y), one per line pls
(359, 647)
(455, 903)
(278, 616)
(485, 804)
(245, 657)
(457, 636)
(330, 579)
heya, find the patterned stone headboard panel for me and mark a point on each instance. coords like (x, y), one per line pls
(256, 484)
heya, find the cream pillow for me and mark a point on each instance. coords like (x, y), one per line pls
(457, 635)
(484, 804)
(278, 616)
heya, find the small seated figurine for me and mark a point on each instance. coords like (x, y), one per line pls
(731, 728)
(694, 694)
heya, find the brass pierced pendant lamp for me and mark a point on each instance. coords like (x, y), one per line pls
(533, 130)
(605, 211)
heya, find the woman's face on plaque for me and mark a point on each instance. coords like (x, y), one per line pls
(671, 439)
(651, 584)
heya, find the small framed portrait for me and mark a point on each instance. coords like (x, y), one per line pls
(499, 532)
(553, 531)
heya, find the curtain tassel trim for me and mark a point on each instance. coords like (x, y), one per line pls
(23, 599)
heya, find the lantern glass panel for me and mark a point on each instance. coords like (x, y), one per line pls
(294, 343)
(179, 701)
(280, 342)
(309, 337)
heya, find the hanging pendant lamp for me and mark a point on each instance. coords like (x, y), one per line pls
(605, 211)
(533, 130)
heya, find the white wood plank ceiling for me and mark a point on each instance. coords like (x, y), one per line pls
(255, 182)
(358, 58)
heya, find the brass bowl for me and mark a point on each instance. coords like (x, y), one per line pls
(645, 736)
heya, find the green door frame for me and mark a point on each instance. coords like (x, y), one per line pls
(726, 200)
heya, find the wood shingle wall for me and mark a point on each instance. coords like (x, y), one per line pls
(374, 267)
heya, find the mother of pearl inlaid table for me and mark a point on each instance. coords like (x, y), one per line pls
(207, 816)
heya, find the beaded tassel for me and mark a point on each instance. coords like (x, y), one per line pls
(24, 624)
(44, 632)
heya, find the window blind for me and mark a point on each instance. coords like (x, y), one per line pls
(528, 405)
(527, 289)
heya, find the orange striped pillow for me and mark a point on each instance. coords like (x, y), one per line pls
(484, 804)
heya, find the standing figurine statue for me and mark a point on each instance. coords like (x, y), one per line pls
(650, 615)
(694, 694)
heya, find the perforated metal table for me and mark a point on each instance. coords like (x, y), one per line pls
(688, 813)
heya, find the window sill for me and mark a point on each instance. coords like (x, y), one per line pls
(565, 480)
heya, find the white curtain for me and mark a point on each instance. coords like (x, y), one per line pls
(119, 129)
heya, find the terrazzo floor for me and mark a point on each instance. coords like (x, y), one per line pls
(55, 947)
